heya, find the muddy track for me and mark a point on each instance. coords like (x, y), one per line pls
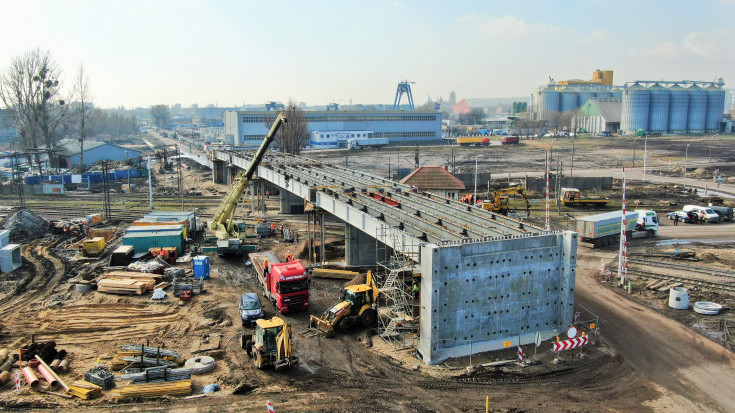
(47, 271)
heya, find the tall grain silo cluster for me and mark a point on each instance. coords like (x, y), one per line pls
(672, 107)
(563, 98)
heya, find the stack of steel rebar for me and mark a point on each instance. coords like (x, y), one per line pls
(157, 375)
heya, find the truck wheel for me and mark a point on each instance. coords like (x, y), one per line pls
(649, 233)
(367, 318)
(344, 325)
(249, 348)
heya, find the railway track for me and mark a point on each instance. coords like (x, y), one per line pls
(722, 286)
(686, 267)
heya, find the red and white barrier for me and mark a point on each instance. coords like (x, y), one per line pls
(572, 343)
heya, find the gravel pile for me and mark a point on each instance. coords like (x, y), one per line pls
(27, 225)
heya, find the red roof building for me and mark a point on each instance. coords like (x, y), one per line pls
(461, 107)
(434, 179)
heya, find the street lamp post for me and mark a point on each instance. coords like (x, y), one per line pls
(645, 155)
(686, 159)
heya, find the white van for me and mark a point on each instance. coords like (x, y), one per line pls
(704, 213)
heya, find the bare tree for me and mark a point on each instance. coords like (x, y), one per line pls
(83, 111)
(294, 134)
(161, 115)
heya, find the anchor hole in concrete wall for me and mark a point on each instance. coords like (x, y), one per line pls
(474, 264)
(445, 283)
(456, 267)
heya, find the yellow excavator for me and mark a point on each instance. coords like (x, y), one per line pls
(270, 344)
(358, 307)
(223, 223)
(499, 203)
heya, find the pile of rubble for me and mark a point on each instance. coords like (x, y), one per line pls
(27, 225)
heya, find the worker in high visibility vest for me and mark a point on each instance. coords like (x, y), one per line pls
(415, 290)
(265, 267)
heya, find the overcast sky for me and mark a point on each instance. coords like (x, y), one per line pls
(139, 53)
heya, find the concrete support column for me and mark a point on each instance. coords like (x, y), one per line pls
(218, 171)
(290, 203)
(568, 276)
(360, 247)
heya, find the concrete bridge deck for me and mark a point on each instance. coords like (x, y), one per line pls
(487, 280)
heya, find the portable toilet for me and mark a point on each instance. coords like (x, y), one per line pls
(201, 267)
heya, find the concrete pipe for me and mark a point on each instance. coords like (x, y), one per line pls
(55, 364)
(200, 365)
(30, 377)
(4, 377)
(3, 354)
(679, 298)
(7, 365)
(64, 365)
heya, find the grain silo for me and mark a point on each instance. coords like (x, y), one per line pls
(549, 99)
(697, 114)
(636, 103)
(658, 116)
(678, 109)
(715, 103)
(568, 101)
(583, 96)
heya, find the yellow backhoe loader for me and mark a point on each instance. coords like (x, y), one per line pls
(499, 203)
(358, 307)
(270, 344)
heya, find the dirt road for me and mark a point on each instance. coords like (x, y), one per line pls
(696, 374)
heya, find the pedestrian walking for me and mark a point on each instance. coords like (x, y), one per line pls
(676, 219)
(267, 194)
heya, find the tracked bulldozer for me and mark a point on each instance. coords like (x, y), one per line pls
(357, 308)
(270, 344)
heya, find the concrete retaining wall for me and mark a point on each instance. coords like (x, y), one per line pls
(491, 295)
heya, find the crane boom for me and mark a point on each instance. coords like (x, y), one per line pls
(222, 222)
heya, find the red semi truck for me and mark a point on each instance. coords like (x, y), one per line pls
(509, 140)
(285, 284)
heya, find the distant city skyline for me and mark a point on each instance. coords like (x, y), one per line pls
(226, 53)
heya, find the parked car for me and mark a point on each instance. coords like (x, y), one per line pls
(705, 213)
(250, 309)
(684, 216)
(725, 212)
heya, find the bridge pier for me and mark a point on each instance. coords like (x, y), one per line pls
(360, 248)
(218, 171)
(290, 203)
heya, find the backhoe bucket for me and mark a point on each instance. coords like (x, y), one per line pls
(322, 326)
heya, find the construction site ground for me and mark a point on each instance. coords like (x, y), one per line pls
(649, 357)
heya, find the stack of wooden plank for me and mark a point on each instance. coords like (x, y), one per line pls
(127, 282)
(171, 388)
(84, 389)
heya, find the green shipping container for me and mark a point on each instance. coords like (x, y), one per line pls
(143, 241)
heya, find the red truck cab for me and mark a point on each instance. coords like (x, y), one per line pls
(288, 286)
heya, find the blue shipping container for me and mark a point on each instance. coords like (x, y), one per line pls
(201, 267)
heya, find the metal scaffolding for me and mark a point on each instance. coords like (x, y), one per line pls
(398, 322)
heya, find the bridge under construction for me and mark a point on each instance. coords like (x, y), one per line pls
(487, 281)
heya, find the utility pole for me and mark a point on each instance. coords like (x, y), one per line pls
(150, 184)
(106, 208)
(181, 178)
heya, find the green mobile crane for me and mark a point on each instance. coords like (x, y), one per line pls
(230, 233)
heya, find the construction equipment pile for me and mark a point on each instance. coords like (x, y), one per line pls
(126, 282)
(152, 267)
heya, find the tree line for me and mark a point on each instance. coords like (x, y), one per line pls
(43, 112)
